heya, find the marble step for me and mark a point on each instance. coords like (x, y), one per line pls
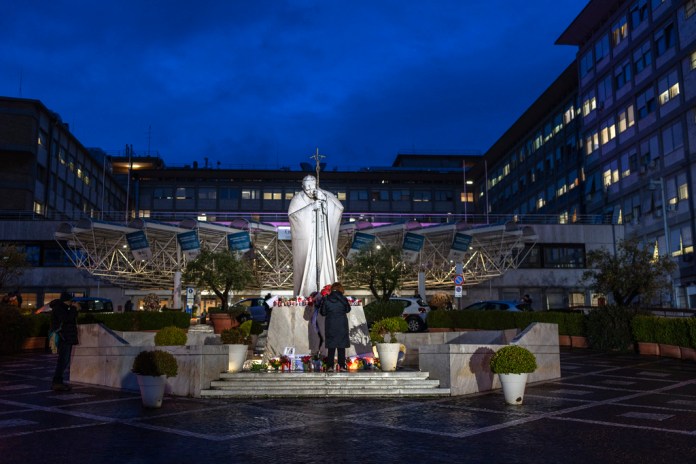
(326, 392)
(225, 384)
(319, 384)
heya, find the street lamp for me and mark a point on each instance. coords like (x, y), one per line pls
(652, 186)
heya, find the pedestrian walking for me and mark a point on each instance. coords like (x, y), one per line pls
(64, 322)
(335, 307)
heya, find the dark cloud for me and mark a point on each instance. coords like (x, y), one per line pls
(266, 82)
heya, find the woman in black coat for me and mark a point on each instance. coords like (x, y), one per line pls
(335, 307)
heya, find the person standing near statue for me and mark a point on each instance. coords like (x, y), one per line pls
(335, 307)
(315, 219)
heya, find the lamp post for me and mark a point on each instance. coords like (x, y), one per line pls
(652, 186)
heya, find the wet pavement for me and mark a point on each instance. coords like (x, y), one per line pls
(615, 408)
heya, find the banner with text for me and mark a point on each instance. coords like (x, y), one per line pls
(190, 246)
(139, 246)
(413, 244)
(361, 241)
(239, 242)
(460, 245)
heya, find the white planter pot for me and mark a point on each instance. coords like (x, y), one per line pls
(513, 387)
(388, 355)
(237, 356)
(152, 390)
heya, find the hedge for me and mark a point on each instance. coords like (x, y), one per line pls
(568, 323)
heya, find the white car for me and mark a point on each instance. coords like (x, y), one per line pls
(415, 312)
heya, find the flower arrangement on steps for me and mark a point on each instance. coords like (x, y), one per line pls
(513, 363)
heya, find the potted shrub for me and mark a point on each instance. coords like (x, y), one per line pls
(388, 353)
(225, 319)
(152, 369)
(513, 363)
(237, 339)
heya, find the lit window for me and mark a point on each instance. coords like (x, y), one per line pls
(607, 130)
(626, 118)
(272, 195)
(668, 87)
(250, 194)
(589, 103)
(619, 31)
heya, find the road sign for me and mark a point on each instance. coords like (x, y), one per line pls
(458, 279)
(458, 291)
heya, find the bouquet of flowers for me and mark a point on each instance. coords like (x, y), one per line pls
(274, 363)
(306, 363)
(285, 363)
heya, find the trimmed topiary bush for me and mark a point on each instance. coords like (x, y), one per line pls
(155, 363)
(170, 336)
(513, 359)
(390, 325)
(237, 335)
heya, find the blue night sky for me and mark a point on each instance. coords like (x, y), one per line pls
(262, 83)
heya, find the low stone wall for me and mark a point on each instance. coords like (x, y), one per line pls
(464, 367)
(105, 357)
(413, 341)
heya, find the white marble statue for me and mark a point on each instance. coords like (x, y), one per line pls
(315, 219)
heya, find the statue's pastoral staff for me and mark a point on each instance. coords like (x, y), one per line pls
(315, 219)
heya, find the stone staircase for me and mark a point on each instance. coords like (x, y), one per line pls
(402, 383)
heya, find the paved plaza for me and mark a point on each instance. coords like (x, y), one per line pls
(616, 408)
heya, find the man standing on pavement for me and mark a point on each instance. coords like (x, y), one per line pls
(64, 321)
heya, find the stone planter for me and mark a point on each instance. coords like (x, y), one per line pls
(388, 356)
(222, 321)
(34, 343)
(670, 351)
(578, 341)
(513, 387)
(649, 349)
(238, 354)
(688, 353)
(152, 390)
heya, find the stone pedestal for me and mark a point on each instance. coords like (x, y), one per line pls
(292, 326)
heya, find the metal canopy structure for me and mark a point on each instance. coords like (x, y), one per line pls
(102, 249)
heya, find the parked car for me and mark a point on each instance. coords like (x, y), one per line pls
(497, 305)
(257, 310)
(415, 312)
(85, 304)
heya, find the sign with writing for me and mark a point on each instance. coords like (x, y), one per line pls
(239, 242)
(188, 241)
(458, 290)
(460, 245)
(139, 246)
(361, 241)
(413, 244)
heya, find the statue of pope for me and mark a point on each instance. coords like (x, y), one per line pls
(315, 219)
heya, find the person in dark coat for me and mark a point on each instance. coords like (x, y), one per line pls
(63, 319)
(335, 307)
